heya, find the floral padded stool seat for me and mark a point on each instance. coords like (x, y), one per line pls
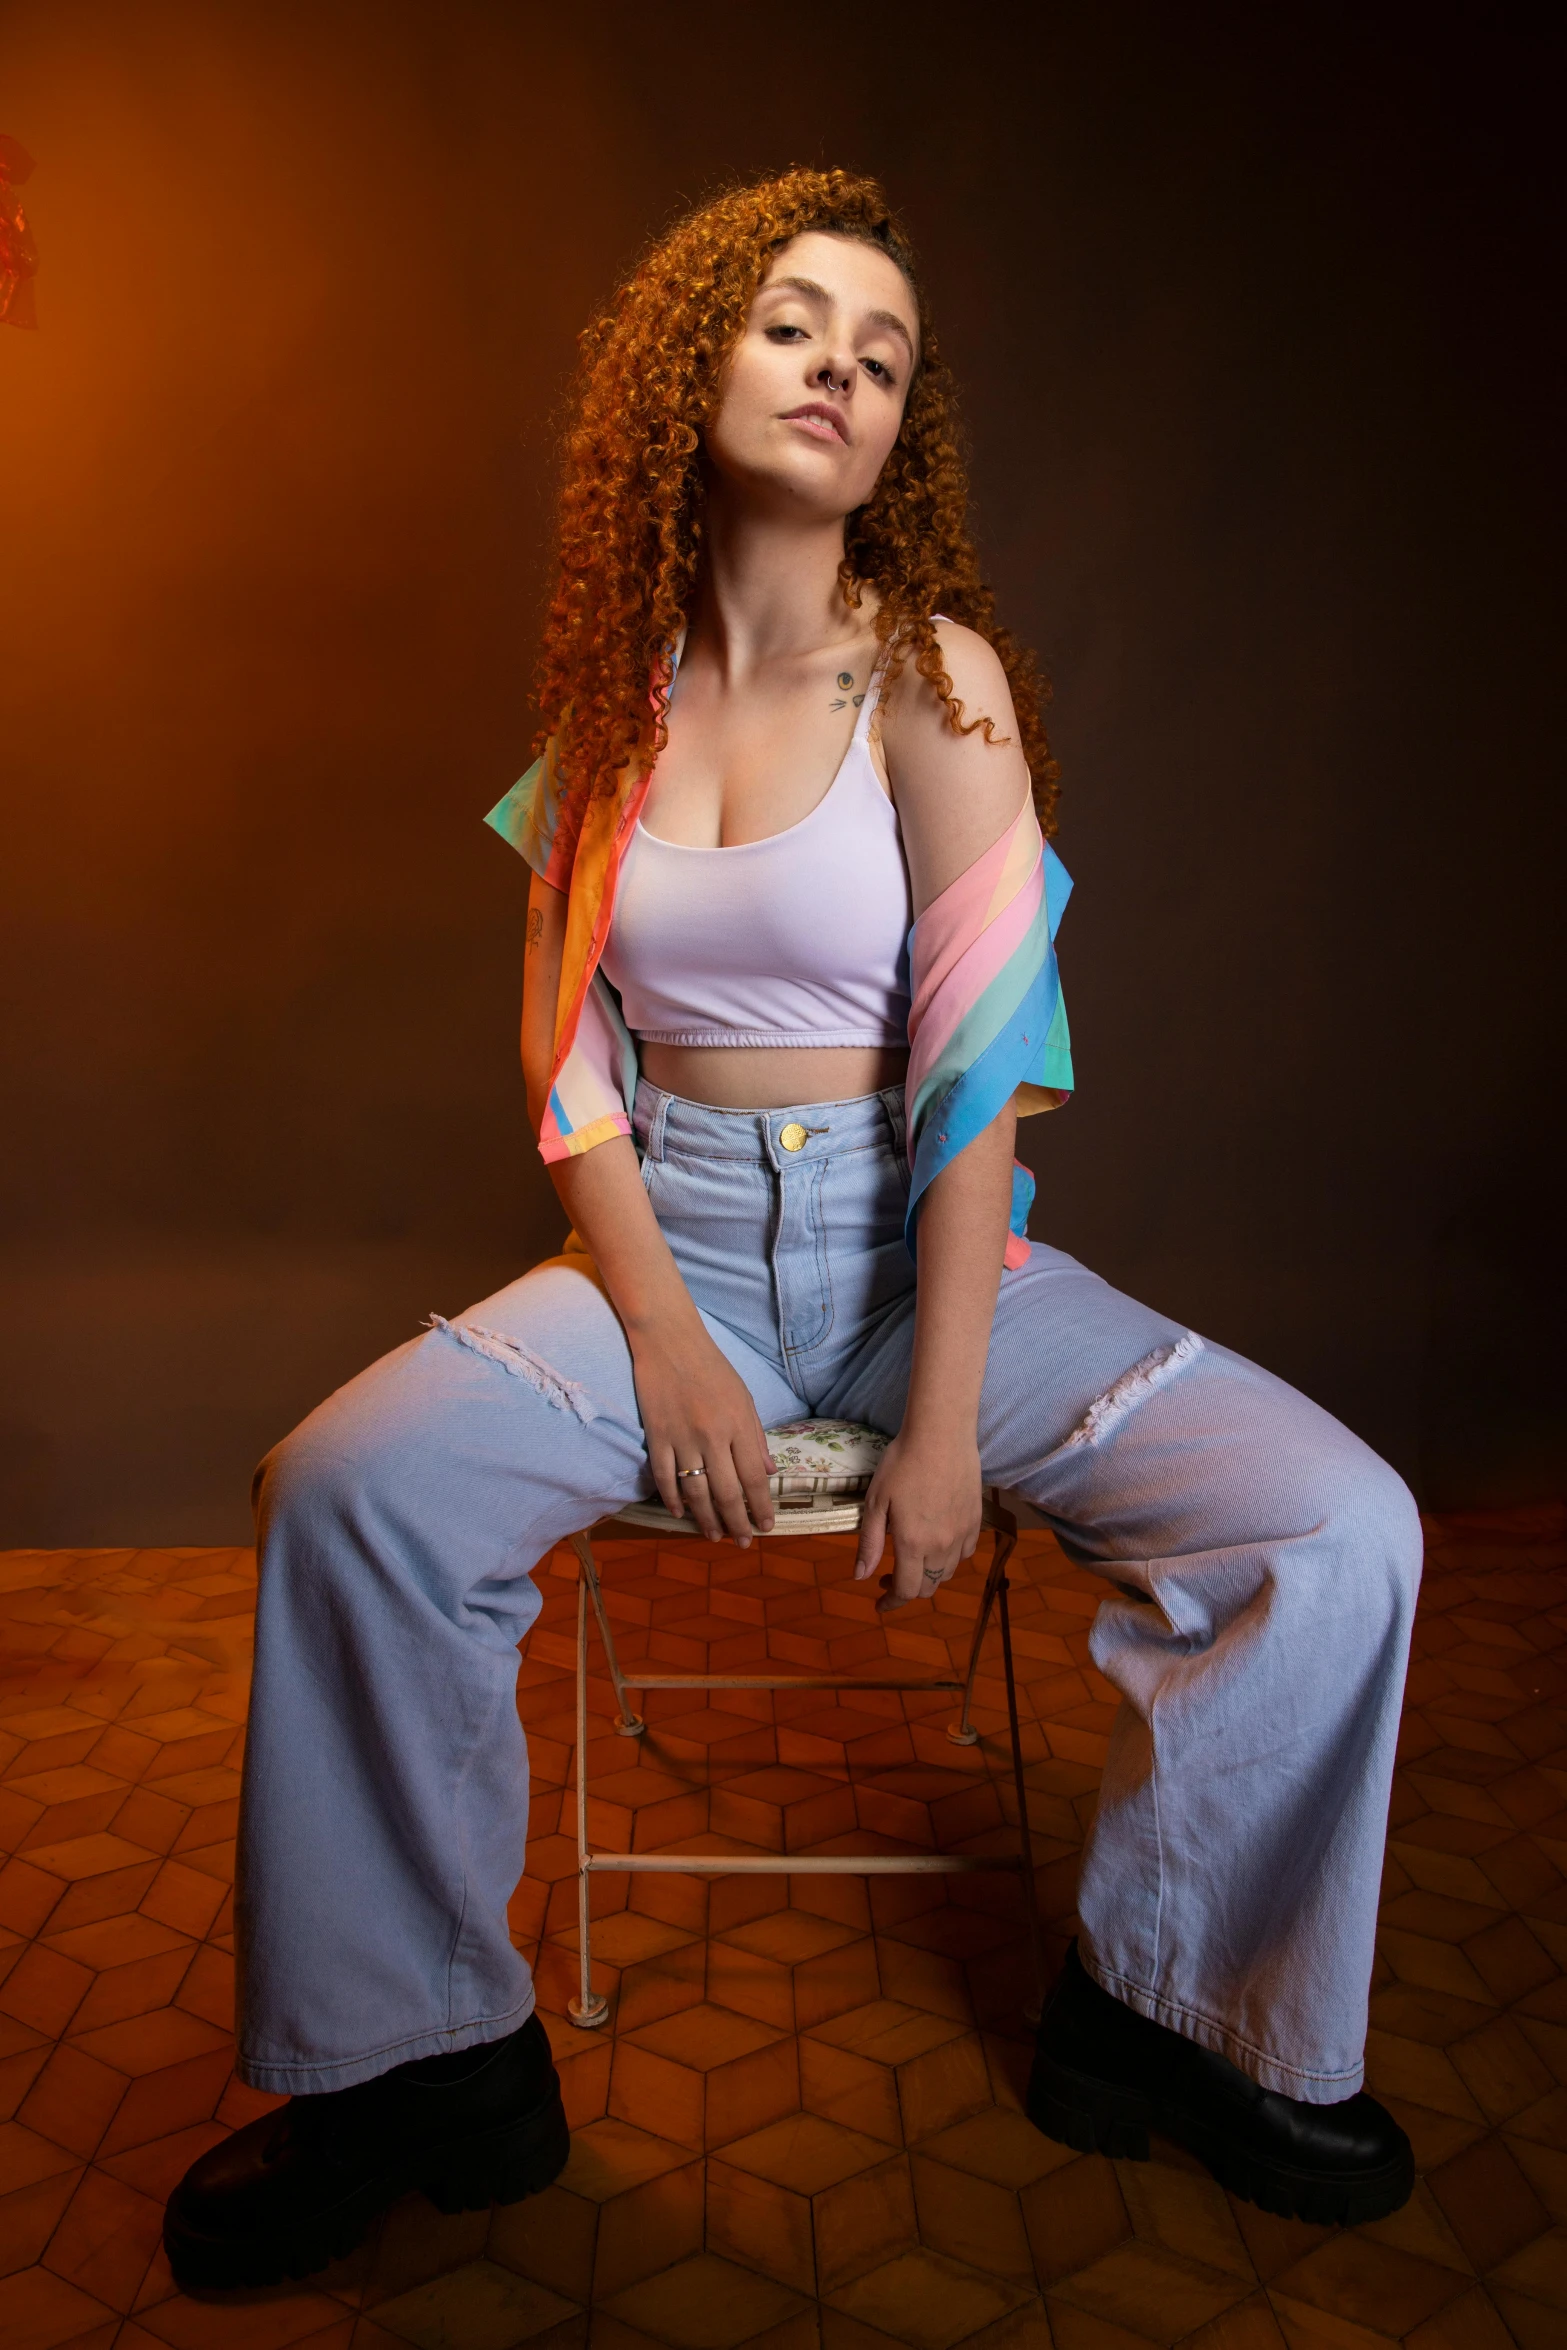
(823, 1474)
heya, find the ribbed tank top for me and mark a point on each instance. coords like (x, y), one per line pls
(798, 939)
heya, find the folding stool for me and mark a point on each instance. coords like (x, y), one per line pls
(819, 1500)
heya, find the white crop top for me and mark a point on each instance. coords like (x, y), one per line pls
(801, 938)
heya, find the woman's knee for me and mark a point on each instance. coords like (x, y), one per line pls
(1383, 1522)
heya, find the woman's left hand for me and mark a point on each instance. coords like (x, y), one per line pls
(927, 1497)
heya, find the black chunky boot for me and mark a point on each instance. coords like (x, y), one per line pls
(1104, 2076)
(301, 2186)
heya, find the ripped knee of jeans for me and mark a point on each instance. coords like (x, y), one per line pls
(1134, 1387)
(567, 1395)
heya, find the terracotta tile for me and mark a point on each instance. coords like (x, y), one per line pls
(1436, 2017)
(750, 1985)
(1533, 2325)
(1187, 2212)
(791, 1936)
(172, 2098)
(840, 1979)
(972, 2219)
(87, 1856)
(73, 2100)
(182, 1897)
(1501, 2070)
(783, 1810)
(125, 1991)
(29, 2216)
(1000, 2145)
(863, 2221)
(1508, 1959)
(482, 2305)
(926, 2300)
(1489, 2202)
(415, 2244)
(240, 2104)
(705, 2303)
(584, 2068)
(1152, 2291)
(157, 2168)
(1426, 2076)
(150, 1819)
(106, 2239)
(208, 1988)
(1249, 2325)
(760, 2224)
(125, 1753)
(18, 2072)
(44, 1989)
(149, 2043)
(939, 2069)
(923, 1978)
(849, 2090)
(105, 1896)
(805, 2153)
(1471, 2323)
(1074, 2216)
(27, 1895)
(647, 2228)
(549, 2237)
(1538, 2270)
(40, 2311)
(1370, 2284)
(289, 2316)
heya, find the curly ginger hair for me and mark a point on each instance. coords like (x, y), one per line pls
(633, 493)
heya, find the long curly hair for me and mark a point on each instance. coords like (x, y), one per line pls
(633, 495)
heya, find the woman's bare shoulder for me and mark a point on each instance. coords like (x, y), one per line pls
(955, 792)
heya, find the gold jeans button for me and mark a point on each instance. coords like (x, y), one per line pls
(794, 1138)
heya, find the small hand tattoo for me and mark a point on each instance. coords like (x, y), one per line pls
(535, 928)
(840, 704)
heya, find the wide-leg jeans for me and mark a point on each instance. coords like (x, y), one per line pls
(1260, 1568)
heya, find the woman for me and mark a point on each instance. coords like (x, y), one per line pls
(786, 741)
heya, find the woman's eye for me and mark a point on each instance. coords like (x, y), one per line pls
(883, 374)
(778, 332)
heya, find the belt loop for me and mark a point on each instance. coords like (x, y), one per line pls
(655, 1132)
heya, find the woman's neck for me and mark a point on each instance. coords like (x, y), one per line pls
(769, 590)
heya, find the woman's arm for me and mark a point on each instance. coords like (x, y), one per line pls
(694, 1405)
(955, 795)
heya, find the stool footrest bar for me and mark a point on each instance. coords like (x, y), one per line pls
(769, 1681)
(802, 1864)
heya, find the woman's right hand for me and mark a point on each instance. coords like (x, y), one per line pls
(697, 1409)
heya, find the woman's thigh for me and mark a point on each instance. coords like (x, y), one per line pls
(1061, 1337)
(456, 1461)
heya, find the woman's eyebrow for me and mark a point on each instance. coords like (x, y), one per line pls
(809, 286)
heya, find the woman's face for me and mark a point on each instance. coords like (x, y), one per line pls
(814, 391)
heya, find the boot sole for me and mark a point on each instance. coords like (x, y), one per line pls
(466, 2174)
(1097, 2117)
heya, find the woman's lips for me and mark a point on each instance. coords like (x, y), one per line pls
(823, 424)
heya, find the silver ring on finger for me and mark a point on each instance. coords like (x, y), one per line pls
(698, 1471)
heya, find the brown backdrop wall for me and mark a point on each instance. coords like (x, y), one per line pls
(1256, 343)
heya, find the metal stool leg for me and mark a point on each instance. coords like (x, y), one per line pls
(630, 1725)
(1025, 1840)
(962, 1732)
(589, 2008)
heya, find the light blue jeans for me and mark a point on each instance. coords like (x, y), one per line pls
(1261, 1568)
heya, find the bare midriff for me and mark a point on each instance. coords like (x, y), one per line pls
(772, 1076)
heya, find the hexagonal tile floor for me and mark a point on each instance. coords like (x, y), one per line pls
(802, 2127)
